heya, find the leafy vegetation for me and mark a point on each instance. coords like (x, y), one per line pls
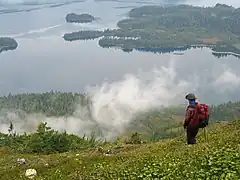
(138, 154)
(45, 140)
(7, 43)
(157, 28)
(216, 157)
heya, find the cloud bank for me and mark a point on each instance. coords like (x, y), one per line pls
(114, 105)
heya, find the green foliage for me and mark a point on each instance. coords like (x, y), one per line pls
(217, 158)
(46, 140)
(134, 139)
(49, 103)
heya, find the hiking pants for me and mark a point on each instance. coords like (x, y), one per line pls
(191, 135)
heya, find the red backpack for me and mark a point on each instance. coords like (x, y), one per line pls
(203, 115)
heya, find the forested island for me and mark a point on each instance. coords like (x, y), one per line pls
(164, 29)
(7, 43)
(79, 18)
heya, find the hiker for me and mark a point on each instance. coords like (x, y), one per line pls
(196, 117)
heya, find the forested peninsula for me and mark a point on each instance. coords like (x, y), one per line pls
(7, 43)
(165, 29)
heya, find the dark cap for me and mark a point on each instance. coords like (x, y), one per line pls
(190, 96)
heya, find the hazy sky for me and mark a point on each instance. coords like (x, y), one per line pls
(198, 2)
(235, 3)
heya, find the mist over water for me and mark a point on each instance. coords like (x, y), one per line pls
(114, 105)
(235, 3)
(33, 2)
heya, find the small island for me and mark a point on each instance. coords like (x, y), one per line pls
(7, 43)
(79, 18)
(179, 27)
(82, 35)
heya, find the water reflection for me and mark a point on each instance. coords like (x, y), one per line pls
(44, 61)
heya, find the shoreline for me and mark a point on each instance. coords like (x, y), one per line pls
(183, 48)
(231, 53)
(6, 48)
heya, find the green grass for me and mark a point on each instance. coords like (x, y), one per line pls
(217, 157)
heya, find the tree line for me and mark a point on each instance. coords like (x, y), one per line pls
(56, 103)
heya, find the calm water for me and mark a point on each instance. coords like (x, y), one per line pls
(44, 61)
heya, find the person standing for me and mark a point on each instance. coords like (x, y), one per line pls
(196, 117)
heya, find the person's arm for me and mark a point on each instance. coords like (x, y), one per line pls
(187, 117)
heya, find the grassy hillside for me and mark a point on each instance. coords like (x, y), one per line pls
(216, 157)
